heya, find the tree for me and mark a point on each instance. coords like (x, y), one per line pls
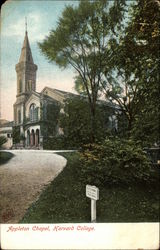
(145, 28)
(76, 123)
(79, 86)
(51, 117)
(80, 40)
(135, 60)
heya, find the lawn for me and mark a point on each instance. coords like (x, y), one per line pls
(64, 200)
(5, 157)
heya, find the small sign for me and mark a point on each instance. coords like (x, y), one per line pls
(92, 192)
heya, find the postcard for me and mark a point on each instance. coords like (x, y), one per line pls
(79, 149)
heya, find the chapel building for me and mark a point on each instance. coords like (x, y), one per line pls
(36, 114)
(34, 117)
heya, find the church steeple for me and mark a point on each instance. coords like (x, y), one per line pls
(26, 69)
(26, 54)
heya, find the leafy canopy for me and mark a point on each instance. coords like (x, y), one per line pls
(134, 83)
(81, 41)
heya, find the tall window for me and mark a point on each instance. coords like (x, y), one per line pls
(29, 87)
(20, 86)
(33, 112)
(19, 116)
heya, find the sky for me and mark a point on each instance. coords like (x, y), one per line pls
(42, 16)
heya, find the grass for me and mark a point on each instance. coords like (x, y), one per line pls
(64, 201)
(5, 157)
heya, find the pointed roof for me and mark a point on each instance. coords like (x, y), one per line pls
(26, 54)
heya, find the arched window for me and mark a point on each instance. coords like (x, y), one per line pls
(33, 112)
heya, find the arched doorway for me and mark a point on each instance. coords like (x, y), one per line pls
(37, 137)
(28, 138)
(32, 138)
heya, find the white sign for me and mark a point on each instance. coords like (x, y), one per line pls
(92, 192)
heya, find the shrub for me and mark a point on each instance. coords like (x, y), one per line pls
(57, 143)
(115, 161)
(16, 135)
(3, 140)
(77, 123)
(53, 143)
(5, 157)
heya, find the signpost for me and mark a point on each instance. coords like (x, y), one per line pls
(92, 192)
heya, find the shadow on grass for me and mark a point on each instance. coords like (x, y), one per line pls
(5, 157)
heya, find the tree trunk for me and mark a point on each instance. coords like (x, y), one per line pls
(93, 122)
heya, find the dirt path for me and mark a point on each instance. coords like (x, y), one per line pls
(22, 180)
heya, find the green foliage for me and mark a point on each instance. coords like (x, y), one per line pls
(113, 53)
(3, 140)
(76, 121)
(133, 83)
(122, 126)
(115, 161)
(81, 40)
(144, 29)
(50, 117)
(16, 135)
(5, 157)
(56, 143)
(22, 137)
(79, 86)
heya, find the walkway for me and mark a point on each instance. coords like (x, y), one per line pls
(23, 178)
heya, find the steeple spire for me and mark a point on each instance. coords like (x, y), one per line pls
(26, 54)
(25, 68)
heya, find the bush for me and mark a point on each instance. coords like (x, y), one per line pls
(115, 161)
(16, 135)
(57, 143)
(53, 143)
(77, 125)
(5, 157)
(3, 140)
